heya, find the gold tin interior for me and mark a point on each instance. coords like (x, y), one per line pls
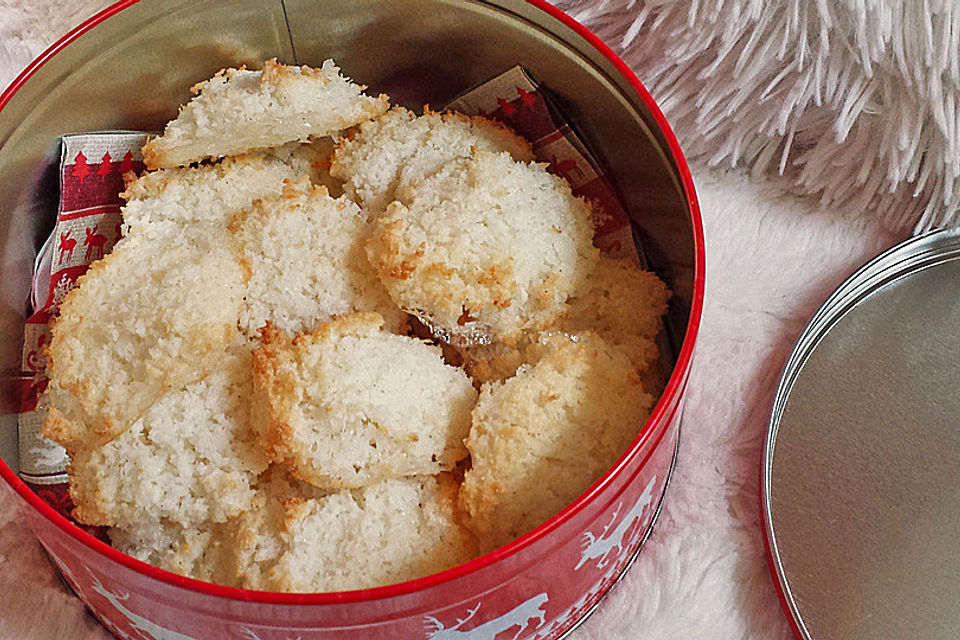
(132, 71)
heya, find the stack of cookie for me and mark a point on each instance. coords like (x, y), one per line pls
(342, 345)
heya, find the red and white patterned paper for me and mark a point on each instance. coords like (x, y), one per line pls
(87, 226)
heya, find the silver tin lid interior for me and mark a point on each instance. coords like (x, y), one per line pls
(862, 466)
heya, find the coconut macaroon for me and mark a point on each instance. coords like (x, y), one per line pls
(487, 247)
(620, 302)
(206, 194)
(541, 438)
(195, 552)
(304, 252)
(208, 551)
(310, 159)
(147, 319)
(239, 110)
(399, 149)
(190, 459)
(350, 404)
(394, 530)
(623, 304)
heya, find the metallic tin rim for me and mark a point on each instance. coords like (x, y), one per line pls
(931, 249)
(905, 259)
(675, 385)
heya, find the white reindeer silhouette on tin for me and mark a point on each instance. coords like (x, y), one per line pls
(600, 547)
(519, 616)
(138, 622)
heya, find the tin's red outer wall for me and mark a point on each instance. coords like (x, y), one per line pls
(539, 585)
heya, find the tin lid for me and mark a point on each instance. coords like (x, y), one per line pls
(861, 475)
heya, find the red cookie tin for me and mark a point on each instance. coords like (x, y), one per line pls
(129, 67)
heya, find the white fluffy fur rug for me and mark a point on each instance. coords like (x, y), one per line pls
(849, 99)
(856, 101)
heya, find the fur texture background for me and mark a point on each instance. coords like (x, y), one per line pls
(856, 101)
(848, 102)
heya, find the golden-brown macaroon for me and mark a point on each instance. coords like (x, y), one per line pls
(221, 552)
(205, 195)
(351, 404)
(199, 552)
(190, 459)
(304, 253)
(240, 110)
(540, 438)
(486, 248)
(622, 303)
(397, 529)
(399, 149)
(151, 317)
